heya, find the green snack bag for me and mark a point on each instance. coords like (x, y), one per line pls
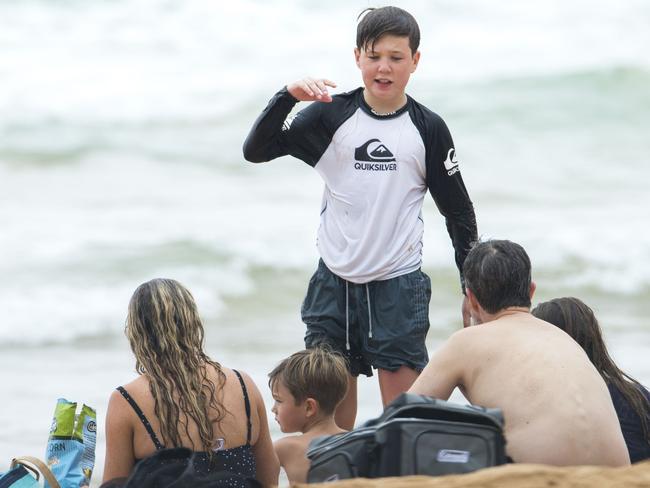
(70, 450)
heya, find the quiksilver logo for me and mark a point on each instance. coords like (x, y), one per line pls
(451, 163)
(376, 157)
(287, 123)
(373, 151)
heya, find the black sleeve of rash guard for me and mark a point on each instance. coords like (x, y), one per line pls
(447, 188)
(273, 135)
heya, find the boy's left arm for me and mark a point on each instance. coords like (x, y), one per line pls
(449, 193)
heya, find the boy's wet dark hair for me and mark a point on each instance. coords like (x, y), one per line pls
(378, 22)
(498, 273)
(317, 373)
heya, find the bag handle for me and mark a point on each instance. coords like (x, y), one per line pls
(29, 462)
(421, 406)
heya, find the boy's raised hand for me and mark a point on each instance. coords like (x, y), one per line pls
(310, 89)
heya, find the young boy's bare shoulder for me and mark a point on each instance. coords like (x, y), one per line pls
(291, 454)
(288, 445)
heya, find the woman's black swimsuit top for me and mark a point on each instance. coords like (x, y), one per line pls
(237, 460)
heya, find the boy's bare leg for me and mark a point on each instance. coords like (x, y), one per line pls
(346, 412)
(393, 383)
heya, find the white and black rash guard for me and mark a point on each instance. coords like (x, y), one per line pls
(376, 171)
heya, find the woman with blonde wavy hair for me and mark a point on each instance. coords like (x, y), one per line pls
(182, 398)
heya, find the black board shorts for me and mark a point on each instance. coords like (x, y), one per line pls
(381, 324)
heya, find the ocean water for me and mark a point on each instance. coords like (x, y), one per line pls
(121, 126)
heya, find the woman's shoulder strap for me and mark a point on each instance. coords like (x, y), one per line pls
(247, 405)
(142, 417)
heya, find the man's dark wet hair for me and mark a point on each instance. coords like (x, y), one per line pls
(497, 272)
(378, 22)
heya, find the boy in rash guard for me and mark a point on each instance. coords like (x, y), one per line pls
(378, 151)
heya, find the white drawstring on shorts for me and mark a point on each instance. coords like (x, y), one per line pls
(347, 317)
(347, 314)
(369, 314)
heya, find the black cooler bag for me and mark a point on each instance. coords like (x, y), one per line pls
(415, 435)
(342, 456)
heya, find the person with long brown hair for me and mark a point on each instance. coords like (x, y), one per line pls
(631, 399)
(182, 398)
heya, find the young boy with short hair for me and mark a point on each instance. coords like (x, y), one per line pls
(378, 151)
(307, 387)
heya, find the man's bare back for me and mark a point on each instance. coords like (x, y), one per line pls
(556, 406)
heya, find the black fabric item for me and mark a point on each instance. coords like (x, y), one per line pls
(373, 311)
(343, 456)
(637, 445)
(239, 460)
(267, 140)
(179, 468)
(114, 483)
(159, 445)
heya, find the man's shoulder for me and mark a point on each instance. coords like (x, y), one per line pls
(469, 333)
(463, 340)
(476, 336)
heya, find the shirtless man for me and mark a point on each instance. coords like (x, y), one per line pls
(556, 406)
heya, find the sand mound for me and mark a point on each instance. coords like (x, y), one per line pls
(519, 476)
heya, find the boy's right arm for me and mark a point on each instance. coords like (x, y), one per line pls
(282, 447)
(270, 137)
(310, 89)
